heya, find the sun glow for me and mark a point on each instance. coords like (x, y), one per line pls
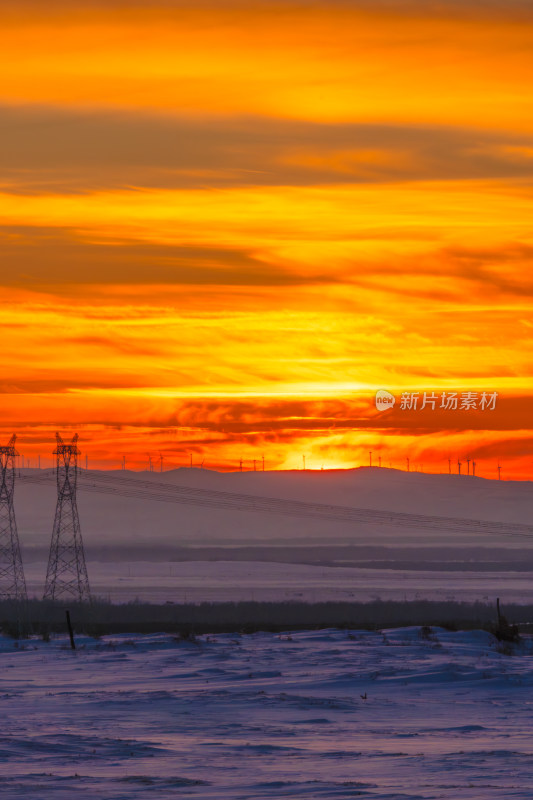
(224, 226)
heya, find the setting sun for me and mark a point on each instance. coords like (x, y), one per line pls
(225, 226)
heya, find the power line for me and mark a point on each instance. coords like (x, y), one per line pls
(164, 492)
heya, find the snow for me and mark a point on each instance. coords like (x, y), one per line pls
(229, 717)
(405, 713)
(230, 581)
(159, 551)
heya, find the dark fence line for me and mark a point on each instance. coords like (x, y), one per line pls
(45, 617)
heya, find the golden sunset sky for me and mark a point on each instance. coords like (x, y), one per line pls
(225, 225)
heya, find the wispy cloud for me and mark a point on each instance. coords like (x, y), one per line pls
(224, 224)
(53, 150)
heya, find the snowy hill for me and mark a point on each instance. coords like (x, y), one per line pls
(140, 539)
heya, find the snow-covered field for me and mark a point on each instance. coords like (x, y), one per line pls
(331, 714)
(229, 717)
(157, 551)
(231, 581)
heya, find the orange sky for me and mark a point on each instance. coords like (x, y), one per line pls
(225, 225)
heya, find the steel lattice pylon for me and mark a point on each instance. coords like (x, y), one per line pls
(12, 583)
(66, 575)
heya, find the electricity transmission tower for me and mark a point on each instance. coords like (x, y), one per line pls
(12, 583)
(67, 573)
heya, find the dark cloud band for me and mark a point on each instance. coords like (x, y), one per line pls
(49, 150)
